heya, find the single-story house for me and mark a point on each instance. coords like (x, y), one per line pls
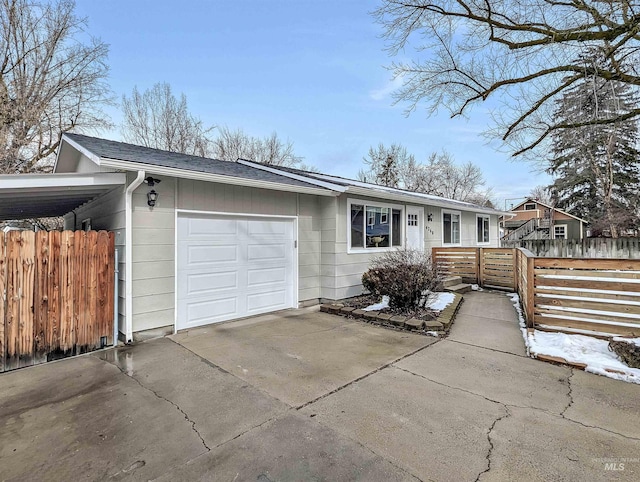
(202, 241)
(534, 219)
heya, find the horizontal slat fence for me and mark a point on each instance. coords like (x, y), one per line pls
(497, 268)
(59, 295)
(461, 262)
(601, 295)
(581, 295)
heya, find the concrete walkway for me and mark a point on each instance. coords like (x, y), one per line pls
(304, 395)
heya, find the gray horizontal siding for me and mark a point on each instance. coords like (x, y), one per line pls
(153, 250)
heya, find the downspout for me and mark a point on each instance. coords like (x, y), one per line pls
(128, 249)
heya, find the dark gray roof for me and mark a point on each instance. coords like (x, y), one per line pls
(145, 155)
(377, 190)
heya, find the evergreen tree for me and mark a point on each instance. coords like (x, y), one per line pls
(595, 167)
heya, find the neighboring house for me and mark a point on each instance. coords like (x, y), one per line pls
(226, 240)
(533, 219)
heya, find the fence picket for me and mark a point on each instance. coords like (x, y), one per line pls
(59, 294)
(3, 302)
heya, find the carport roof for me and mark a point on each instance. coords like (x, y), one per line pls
(44, 195)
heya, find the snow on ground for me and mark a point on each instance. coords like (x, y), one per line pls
(593, 352)
(439, 301)
(475, 287)
(378, 306)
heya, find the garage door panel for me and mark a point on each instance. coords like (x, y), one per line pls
(270, 301)
(230, 267)
(267, 252)
(199, 227)
(208, 283)
(267, 228)
(266, 276)
(210, 311)
(197, 256)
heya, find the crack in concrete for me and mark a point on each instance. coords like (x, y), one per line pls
(493, 425)
(366, 375)
(487, 348)
(491, 447)
(453, 388)
(628, 437)
(524, 407)
(570, 393)
(177, 407)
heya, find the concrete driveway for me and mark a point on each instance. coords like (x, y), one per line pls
(305, 395)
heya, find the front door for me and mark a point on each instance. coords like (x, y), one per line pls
(414, 227)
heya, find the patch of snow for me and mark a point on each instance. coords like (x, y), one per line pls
(583, 349)
(574, 348)
(379, 306)
(476, 288)
(439, 301)
(432, 333)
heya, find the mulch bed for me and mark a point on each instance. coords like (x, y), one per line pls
(360, 302)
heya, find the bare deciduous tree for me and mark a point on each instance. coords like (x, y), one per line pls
(157, 118)
(394, 167)
(51, 81)
(523, 53)
(231, 145)
(541, 193)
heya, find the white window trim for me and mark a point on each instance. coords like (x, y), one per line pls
(524, 208)
(403, 211)
(450, 211)
(560, 226)
(483, 216)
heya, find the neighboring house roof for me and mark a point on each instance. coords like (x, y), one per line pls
(101, 150)
(120, 155)
(367, 189)
(532, 200)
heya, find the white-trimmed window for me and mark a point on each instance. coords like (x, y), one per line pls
(482, 229)
(560, 231)
(373, 226)
(450, 227)
(530, 207)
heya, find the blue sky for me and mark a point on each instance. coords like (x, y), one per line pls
(312, 71)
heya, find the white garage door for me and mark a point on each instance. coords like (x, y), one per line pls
(230, 267)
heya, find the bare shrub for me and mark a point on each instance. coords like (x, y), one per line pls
(628, 352)
(403, 275)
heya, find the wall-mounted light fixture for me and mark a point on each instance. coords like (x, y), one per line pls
(430, 217)
(151, 181)
(152, 197)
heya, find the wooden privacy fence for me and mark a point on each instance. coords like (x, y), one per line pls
(627, 248)
(58, 295)
(595, 296)
(461, 262)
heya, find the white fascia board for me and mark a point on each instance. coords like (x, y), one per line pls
(80, 148)
(408, 198)
(209, 177)
(291, 175)
(38, 181)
